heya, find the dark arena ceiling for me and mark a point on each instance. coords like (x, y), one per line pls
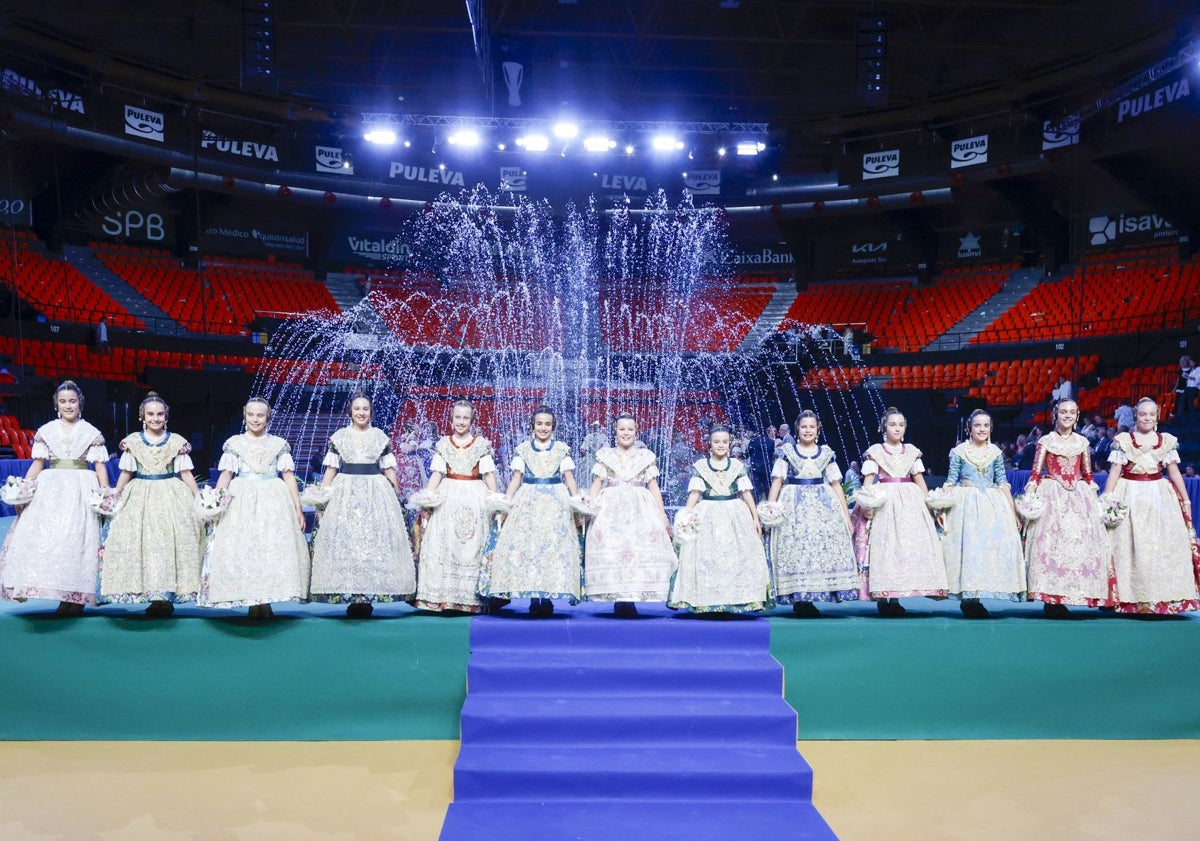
(794, 64)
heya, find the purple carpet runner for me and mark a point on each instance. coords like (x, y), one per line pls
(591, 728)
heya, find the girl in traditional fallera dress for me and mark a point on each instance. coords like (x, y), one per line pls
(361, 552)
(982, 541)
(257, 553)
(723, 568)
(53, 549)
(812, 554)
(1154, 547)
(537, 554)
(455, 536)
(898, 544)
(1066, 548)
(629, 557)
(155, 543)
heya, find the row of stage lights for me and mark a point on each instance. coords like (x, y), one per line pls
(565, 133)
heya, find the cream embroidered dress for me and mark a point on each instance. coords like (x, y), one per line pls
(628, 556)
(723, 569)
(256, 553)
(53, 549)
(361, 551)
(1154, 546)
(456, 534)
(812, 556)
(537, 554)
(155, 544)
(1067, 548)
(981, 546)
(901, 555)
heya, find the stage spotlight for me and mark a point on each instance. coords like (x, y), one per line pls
(748, 148)
(598, 143)
(534, 142)
(500, 147)
(380, 136)
(407, 144)
(721, 151)
(466, 138)
(628, 149)
(566, 131)
(666, 143)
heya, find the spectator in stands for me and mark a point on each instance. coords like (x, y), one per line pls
(1062, 391)
(785, 435)
(101, 335)
(1189, 471)
(1092, 430)
(1192, 389)
(853, 476)
(1103, 448)
(1184, 400)
(1123, 417)
(1022, 453)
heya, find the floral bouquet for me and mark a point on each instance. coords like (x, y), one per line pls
(425, 498)
(772, 514)
(585, 505)
(17, 491)
(941, 499)
(1112, 511)
(687, 525)
(105, 501)
(1030, 506)
(497, 503)
(316, 495)
(211, 502)
(870, 498)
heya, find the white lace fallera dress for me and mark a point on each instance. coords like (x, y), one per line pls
(361, 551)
(724, 568)
(53, 549)
(456, 533)
(628, 556)
(537, 554)
(155, 544)
(256, 552)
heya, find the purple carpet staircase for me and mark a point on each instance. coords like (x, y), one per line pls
(591, 728)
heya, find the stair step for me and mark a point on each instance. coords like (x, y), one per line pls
(574, 772)
(631, 820)
(601, 673)
(664, 719)
(602, 631)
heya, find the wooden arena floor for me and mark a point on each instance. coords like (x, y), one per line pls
(339, 791)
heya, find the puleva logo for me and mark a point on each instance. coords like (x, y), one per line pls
(703, 182)
(969, 151)
(1057, 137)
(881, 164)
(330, 159)
(513, 178)
(148, 125)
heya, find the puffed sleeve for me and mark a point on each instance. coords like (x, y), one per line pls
(387, 461)
(1117, 456)
(182, 462)
(39, 449)
(284, 462)
(332, 459)
(696, 484)
(567, 463)
(780, 469)
(229, 461)
(833, 473)
(743, 484)
(517, 465)
(487, 464)
(127, 463)
(1172, 457)
(998, 474)
(598, 469)
(97, 451)
(651, 472)
(438, 464)
(869, 466)
(918, 466)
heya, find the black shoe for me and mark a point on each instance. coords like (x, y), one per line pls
(1056, 611)
(973, 609)
(359, 610)
(807, 610)
(160, 609)
(890, 607)
(545, 608)
(69, 609)
(625, 610)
